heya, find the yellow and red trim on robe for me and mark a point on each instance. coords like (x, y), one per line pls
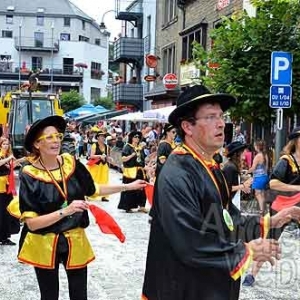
(243, 265)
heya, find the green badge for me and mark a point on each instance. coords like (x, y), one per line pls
(228, 220)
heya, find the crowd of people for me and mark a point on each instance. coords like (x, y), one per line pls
(200, 243)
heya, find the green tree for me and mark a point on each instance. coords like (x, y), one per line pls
(71, 100)
(106, 102)
(242, 49)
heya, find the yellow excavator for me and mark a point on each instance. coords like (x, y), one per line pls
(18, 110)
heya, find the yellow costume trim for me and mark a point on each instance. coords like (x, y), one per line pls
(130, 172)
(44, 256)
(68, 168)
(28, 214)
(14, 208)
(291, 162)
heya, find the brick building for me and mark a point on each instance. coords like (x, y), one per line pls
(178, 24)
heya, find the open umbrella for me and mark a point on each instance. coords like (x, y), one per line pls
(81, 65)
(86, 109)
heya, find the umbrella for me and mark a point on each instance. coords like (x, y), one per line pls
(86, 109)
(81, 65)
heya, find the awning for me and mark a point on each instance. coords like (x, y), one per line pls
(104, 116)
(159, 91)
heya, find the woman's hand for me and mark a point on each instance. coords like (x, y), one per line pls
(75, 206)
(285, 216)
(136, 185)
(265, 250)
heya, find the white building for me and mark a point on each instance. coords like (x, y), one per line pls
(56, 37)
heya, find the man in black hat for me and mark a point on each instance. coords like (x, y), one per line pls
(193, 251)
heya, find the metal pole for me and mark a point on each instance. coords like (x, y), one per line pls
(20, 27)
(52, 33)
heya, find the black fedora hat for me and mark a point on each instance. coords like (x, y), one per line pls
(235, 147)
(101, 133)
(56, 121)
(194, 96)
(167, 127)
(135, 133)
(295, 133)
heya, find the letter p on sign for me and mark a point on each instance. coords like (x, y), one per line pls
(281, 68)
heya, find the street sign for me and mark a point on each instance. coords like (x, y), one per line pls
(279, 120)
(281, 68)
(280, 96)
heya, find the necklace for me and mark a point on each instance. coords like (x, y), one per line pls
(226, 215)
(63, 191)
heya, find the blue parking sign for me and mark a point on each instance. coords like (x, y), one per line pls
(280, 96)
(281, 68)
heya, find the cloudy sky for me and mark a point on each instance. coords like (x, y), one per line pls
(96, 9)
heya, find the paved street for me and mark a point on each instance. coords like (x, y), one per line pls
(117, 272)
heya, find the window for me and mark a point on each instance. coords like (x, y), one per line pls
(96, 72)
(67, 22)
(36, 63)
(187, 43)
(83, 38)
(97, 42)
(39, 39)
(170, 11)
(95, 94)
(169, 59)
(5, 63)
(83, 25)
(65, 37)
(40, 20)
(9, 19)
(7, 33)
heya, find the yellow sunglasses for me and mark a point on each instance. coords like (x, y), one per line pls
(51, 137)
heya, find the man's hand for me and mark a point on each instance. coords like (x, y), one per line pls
(265, 250)
(285, 216)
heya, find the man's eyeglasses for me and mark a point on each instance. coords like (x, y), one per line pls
(51, 137)
(212, 118)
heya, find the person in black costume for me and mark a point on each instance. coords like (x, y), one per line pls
(195, 251)
(165, 146)
(53, 208)
(133, 168)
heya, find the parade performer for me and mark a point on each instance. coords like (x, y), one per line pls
(54, 211)
(165, 146)
(232, 171)
(98, 162)
(193, 250)
(284, 180)
(133, 163)
(6, 157)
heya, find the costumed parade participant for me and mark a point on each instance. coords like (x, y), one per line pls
(6, 158)
(232, 171)
(193, 251)
(133, 163)
(52, 192)
(98, 165)
(165, 146)
(285, 181)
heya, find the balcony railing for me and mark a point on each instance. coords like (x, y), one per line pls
(133, 12)
(58, 69)
(128, 49)
(34, 44)
(127, 93)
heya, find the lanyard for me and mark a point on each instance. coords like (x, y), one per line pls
(64, 191)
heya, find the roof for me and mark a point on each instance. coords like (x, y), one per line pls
(53, 7)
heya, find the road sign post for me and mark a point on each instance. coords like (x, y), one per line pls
(280, 91)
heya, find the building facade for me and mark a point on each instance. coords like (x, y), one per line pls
(130, 50)
(57, 38)
(178, 24)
